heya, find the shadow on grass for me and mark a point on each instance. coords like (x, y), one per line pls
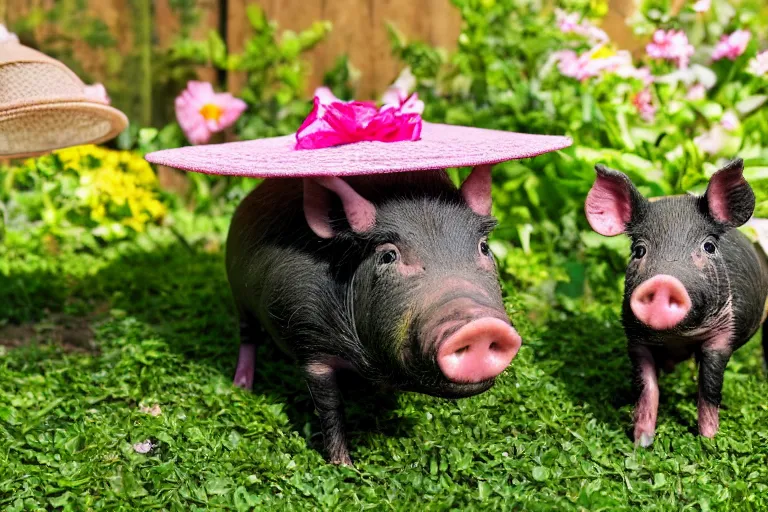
(184, 295)
(369, 410)
(590, 348)
(590, 351)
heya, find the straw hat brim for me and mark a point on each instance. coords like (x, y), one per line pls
(34, 129)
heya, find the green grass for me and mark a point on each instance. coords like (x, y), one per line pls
(551, 435)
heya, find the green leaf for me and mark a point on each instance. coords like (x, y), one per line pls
(540, 473)
(217, 49)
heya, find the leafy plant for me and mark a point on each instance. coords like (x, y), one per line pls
(88, 193)
(524, 66)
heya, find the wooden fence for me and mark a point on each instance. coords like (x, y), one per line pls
(359, 30)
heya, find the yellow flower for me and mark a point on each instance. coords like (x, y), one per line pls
(116, 188)
(603, 53)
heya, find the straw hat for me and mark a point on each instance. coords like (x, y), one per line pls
(45, 106)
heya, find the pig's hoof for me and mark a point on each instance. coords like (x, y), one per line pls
(707, 431)
(644, 439)
(243, 381)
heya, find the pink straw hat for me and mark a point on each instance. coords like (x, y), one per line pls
(353, 138)
(441, 146)
(45, 106)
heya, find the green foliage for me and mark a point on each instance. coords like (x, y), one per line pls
(88, 193)
(342, 79)
(550, 435)
(273, 69)
(505, 75)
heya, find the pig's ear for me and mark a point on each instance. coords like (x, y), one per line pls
(360, 213)
(729, 198)
(476, 190)
(611, 202)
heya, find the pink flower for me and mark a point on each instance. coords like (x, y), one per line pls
(202, 112)
(6, 36)
(729, 121)
(643, 102)
(570, 23)
(598, 61)
(567, 22)
(696, 92)
(333, 122)
(711, 142)
(702, 5)
(759, 65)
(732, 46)
(96, 92)
(399, 95)
(672, 45)
(630, 71)
(143, 447)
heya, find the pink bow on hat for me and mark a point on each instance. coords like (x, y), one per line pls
(333, 122)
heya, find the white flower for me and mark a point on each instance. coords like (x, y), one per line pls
(711, 142)
(702, 5)
(6, 36)
(96, 92)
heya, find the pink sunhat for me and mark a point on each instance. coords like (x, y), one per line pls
(356, 138)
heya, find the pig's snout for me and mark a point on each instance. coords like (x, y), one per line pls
(479, 351)
(661, 302)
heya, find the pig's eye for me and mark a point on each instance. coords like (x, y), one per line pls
(388, 257)
(709, 247)
(638, 252)
(485, 250)
(388, 254)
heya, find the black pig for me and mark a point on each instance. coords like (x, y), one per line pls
(694, 284)
(388, 275)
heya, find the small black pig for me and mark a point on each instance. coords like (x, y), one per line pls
(388, 275)
(694, 284)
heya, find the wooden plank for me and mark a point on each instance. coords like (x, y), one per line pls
(436, 22)
(237, 31)
(615, 25)
(353, 22)
(359, 30)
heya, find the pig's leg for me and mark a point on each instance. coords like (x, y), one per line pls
(712, 363)
(321, 379)
(646, 385)
(765, 345)
(246, 361)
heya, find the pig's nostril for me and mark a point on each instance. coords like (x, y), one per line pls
(661, 302)
(478, 351)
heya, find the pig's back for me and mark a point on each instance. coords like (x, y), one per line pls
(748, 275)
(271, 270)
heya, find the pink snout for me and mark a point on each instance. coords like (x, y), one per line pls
(661, 302)
(478, 351)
